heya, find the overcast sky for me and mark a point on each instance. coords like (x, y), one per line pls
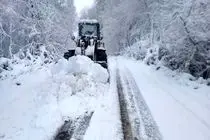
(80, 4)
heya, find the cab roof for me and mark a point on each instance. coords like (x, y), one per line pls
(92, 21)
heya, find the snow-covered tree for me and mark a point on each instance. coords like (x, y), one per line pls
(180, 29)
(29, 24)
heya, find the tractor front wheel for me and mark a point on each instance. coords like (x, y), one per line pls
(69, 54)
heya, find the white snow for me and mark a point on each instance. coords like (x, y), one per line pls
(36, 98)
(90, 50)
(105, 123)
(88, 21)
(48, 95)
(180, 107)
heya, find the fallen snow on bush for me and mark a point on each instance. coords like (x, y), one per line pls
(24, 62)
(35, 103)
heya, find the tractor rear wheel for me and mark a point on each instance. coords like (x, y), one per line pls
(101, 55)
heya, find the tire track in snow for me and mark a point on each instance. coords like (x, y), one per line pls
(126, 124)
(139, 123)
(150, 127)
(74, 129)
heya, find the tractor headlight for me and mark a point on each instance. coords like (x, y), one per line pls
(101, 45)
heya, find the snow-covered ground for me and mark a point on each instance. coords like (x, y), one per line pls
(180, 107)
(36, 99)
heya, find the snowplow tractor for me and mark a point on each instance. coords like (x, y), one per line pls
(89, 43)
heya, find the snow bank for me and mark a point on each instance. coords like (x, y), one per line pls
(88, 21)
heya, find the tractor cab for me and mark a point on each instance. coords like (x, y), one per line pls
(89, 42)
(89, 30)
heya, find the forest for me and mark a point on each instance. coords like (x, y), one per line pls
(172, 33)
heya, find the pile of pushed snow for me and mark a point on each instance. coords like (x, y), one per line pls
(48, 95)
(81, 79)
(81, 65)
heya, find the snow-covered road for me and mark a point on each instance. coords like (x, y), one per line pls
(180, 107)
(139, 102)
(153, 104)
(138, 119)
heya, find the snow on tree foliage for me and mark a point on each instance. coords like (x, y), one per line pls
(181, 29)
(27, 24)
